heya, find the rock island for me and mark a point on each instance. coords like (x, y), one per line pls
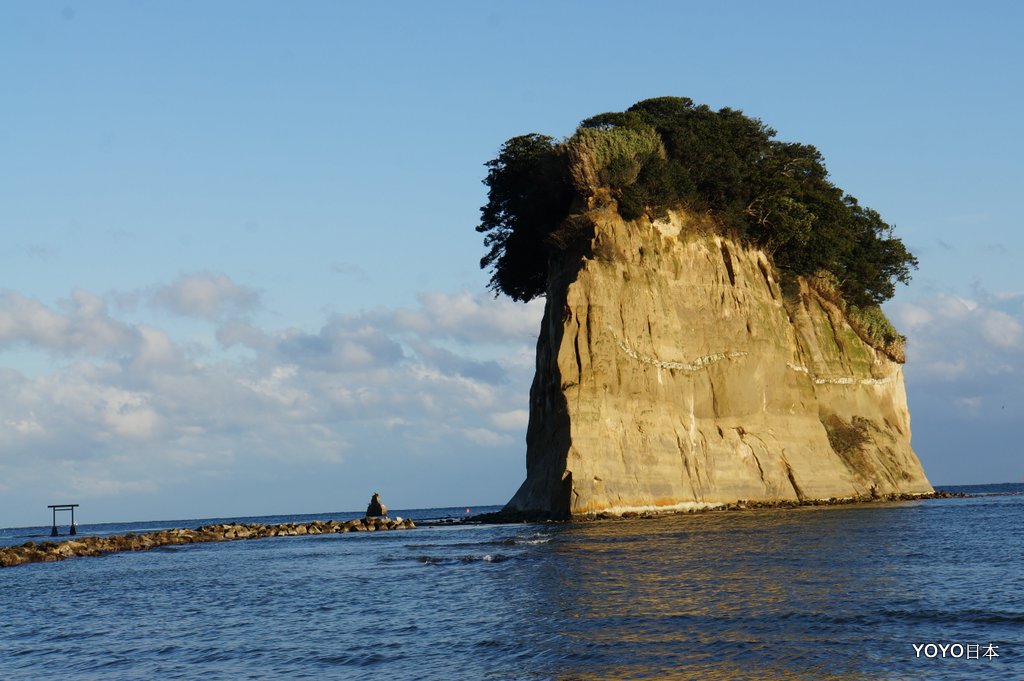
(712, 330)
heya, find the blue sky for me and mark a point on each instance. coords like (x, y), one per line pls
(239, 271)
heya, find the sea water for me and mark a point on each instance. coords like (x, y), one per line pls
(930, 589)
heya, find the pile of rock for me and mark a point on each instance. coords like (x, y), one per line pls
(744, 505)
(47, 551)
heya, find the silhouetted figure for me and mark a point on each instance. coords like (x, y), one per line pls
(376, 508)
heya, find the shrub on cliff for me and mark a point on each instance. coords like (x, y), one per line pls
(530, 195)
(667, 153)
(611, 157)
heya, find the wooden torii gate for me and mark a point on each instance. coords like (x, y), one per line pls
(63, 507)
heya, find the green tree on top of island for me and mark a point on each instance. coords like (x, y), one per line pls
(668, 153)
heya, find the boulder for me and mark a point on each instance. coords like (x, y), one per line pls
(376, 508)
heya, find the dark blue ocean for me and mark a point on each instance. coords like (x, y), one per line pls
(813, 593)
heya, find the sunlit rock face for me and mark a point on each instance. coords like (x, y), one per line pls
(672, 371)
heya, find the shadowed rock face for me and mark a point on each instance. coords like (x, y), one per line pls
(673, 372)
(375, 507)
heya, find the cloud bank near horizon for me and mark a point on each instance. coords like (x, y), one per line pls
(125, 407)
(965, 359)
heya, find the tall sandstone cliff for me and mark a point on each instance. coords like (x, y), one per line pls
(672, 371)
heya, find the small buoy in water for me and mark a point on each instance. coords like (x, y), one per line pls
(467, 510)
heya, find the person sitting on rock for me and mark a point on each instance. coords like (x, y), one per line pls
(376, 508)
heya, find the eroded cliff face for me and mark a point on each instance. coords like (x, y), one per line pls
(672, 371)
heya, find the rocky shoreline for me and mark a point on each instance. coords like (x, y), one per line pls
(506, 516)
(48, 551)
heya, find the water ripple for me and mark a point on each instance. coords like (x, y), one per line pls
(824, 594)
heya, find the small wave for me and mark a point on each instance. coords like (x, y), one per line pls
(74, 635)
(407, 629)
(534, 539)
(527, 540)
(448, 545)
(463, 560)
(972, 616)
(213, 655)
(356, 659)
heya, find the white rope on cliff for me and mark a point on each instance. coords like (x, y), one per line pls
(705, 360)
(696, 364)
(838, 380)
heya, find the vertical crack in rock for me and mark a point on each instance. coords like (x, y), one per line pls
(832, 325)
(767, 279)
(727, 259)
(766, 483)
(590, 337)
(576, 346)
(792, 478)
(684, 462)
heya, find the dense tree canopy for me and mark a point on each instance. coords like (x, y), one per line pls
(668, 153)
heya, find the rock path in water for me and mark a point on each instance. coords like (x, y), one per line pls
(47, 551)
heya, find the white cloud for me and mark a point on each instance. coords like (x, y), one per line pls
(946, 370)
(486, 437)
(26, 426)
(516, 419)
(235, 332)
(505, 331)
(970, 403)
(155, 349)
(1001, 330)
(912, 317)
(468, 318)
(206, 295)
(84, 325)
(964, 359)
(952, 338)
(137, 412)
(339, 346)
(86, 487)
(953, 307)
